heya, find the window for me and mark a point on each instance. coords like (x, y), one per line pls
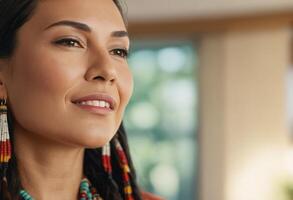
(161, 118)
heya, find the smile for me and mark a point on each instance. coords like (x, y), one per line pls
(96, 103)
(100, 104)
(95, 107)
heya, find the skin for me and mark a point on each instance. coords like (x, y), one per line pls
(42, 78)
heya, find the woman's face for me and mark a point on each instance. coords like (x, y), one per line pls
(68, 50)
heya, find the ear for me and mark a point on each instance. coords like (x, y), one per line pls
(3, 78)
(3, 91)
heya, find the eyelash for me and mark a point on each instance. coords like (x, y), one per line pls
(70, 42)
(123, 53)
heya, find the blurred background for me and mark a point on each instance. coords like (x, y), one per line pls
(211, 117)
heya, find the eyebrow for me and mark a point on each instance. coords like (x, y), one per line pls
(85, 27)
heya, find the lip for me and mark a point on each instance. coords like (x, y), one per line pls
(97, 97)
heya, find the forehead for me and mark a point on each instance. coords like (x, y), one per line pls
(95, 13)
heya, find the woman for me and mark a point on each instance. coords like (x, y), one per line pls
(64, 84)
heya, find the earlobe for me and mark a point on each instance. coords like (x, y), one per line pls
(3, 74)
(3, 90)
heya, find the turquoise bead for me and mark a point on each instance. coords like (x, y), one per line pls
(83, 188)
(25, 195)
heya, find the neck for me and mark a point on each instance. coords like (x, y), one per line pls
(48, 170)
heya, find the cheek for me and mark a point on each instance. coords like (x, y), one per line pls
(126, 85)
(125, 89)
(39, 78)
(43, 73)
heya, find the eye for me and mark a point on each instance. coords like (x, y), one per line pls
(69, 42)
(123, 53)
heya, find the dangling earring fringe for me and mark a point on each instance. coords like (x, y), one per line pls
(5, 145)
(125, 169)
(106, 159)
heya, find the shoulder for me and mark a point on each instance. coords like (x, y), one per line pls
(149, 196)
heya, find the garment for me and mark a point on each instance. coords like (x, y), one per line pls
(149, 196)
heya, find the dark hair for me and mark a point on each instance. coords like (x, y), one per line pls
(13, 14)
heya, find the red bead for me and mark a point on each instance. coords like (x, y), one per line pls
(83, 195)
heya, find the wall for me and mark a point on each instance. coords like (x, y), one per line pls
(244, 57)
(244, 139)
(165, 10)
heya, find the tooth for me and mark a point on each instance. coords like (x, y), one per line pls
(96, 103)
(102, 104)
(92, 103)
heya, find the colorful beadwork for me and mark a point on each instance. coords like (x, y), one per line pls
(89, 193)
(5, 146)
(106, 158)
(125, 170)
(86, 192)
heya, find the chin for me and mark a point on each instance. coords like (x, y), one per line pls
(97, 140)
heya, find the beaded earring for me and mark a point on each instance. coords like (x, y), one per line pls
(106, 160)
(5, 145)
(125, 169)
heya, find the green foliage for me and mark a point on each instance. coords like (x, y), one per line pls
(161, 118)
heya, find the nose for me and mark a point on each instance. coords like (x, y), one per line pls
(101, 68)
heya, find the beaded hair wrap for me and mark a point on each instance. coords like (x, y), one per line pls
(5, 149)
(106, 159)
(123, 162)
(125, 169)
(5, 145)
